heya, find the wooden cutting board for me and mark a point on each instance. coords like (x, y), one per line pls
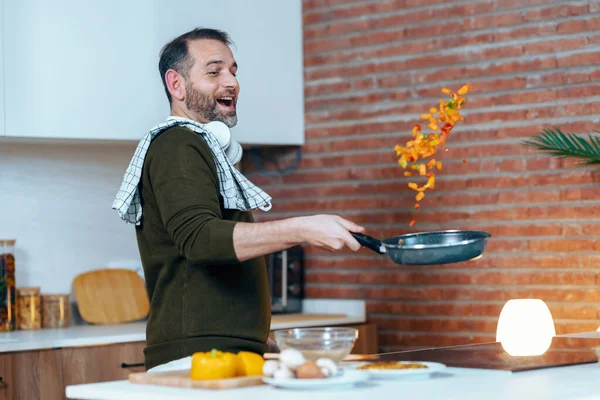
(182, 379)
(301, 317)
(111, 296)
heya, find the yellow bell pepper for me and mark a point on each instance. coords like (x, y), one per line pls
(213, 365)
(249, 364)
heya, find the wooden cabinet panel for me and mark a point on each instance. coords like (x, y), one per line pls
(101, 363)
(367, 339)
(31, 375)
(7, 380)
(37, 375)
(50, 374)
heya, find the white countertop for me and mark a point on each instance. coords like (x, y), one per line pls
(88, 335)
(586, 335)
(573, 383)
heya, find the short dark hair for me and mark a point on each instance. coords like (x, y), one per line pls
(175, 55)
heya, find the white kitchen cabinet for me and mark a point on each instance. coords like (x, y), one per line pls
(1, 71)
(88, 70)
(80, 69)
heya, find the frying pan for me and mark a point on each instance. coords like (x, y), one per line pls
(429, 248)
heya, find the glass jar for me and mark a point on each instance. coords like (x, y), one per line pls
(7, 285)
(29, 310)
(56, 311)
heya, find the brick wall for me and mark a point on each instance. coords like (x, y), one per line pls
(371, 68)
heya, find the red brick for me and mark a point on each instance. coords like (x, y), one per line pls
(328, 103)
(570, 295)
(460, 37)
(483, 94)
(579, 59)
(355, 11)
(405, 199)
(432, 340)
(565, 245)
(397, 47)
(467, 135)
(484, 278)
(308, 5)
(497, 20)
(561, 11)
(574, 327)
(473, 104)
(543, 262)
(556, 45)
(460, 310)
(504, 4)
(388, 16)
(354, 25)
(432, 61)
(369, 188)
(575, 26)
(435, 309)
(394, 171)
(434, 325)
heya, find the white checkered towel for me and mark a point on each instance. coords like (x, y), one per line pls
(237, 191)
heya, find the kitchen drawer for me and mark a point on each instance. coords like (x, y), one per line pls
(102, 363)
(31, 375)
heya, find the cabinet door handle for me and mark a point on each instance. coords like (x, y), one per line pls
(125, 365)
(3, 384)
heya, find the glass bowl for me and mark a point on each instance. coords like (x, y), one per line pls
(334, 343)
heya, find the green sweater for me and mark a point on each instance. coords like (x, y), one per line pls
(201, 296)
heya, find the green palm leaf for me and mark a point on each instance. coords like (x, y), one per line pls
(566, 145)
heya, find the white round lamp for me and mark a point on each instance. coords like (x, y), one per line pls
(525, 327)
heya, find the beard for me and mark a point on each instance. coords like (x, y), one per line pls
(205, 107)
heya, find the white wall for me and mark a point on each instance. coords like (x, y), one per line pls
(55, 200)
(116, 46)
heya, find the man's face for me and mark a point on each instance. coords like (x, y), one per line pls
(211, 86)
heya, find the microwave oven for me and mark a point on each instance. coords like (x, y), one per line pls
(286, 280)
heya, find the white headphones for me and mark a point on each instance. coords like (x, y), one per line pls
(233, 150)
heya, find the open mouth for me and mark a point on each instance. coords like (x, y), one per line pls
(226, 101)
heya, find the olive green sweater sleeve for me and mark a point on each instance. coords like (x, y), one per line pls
(183, 176)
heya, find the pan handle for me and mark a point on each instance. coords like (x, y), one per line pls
(369, 242)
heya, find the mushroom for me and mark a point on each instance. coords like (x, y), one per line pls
(283, 373)
(328, 366)
(269, 367)
(291, 358)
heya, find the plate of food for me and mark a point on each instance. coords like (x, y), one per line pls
(344, 378)
(399, 369)
(293, 371)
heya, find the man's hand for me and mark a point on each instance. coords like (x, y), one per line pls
(330, 232)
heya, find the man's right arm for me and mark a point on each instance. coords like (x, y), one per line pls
(327, 231)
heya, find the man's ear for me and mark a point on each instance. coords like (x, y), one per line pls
(175, 84)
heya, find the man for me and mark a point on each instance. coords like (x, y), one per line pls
(202, 253)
